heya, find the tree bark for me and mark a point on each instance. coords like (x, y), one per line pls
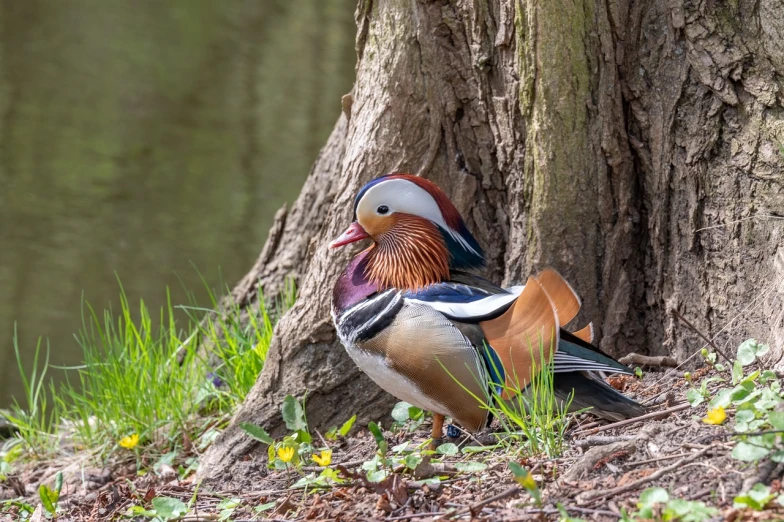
(634, 146)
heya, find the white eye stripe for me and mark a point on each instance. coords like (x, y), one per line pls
(401, 195)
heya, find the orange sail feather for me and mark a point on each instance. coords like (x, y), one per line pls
(517, 334)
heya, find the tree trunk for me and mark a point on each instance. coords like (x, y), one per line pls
(634, 146)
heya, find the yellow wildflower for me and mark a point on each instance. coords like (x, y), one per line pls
(286, 454)
(129, 442)
(527, 481)
(715, 416)
(325, 459)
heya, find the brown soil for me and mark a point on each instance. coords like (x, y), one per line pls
(603, 471)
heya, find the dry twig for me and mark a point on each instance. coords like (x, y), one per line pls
(677, 314)
(627, 422)
(476, 508)
(600, 440)
(648, 360)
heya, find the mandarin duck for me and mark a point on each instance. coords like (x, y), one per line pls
(419, 324)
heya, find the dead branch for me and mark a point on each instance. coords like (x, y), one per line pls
(476, 508)
(677, 314)
(602, 440)
(627, 422)
(648, 360)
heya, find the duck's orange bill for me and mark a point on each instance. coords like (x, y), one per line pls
(353, 233)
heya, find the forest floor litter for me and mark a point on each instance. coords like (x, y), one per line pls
(600, 476)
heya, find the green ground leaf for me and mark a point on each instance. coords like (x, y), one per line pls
(777, 456)
(378, 436)
(756, 498)
(737, 372)
(376, 431)
(652, 496)
(470, 467)
(688, 511)
(412, 461)
(468, 450)
(229, 503)
(750, 350)
(746, 352)
(400, 411)
(748, 452)
(168, 507)
(264, 507)
(776, 419)
(58, 483)
(742, 420)
(139, 510)
(377, 476)
(694, 397)
(721, 399)
(447, 449)
(257, 432)
(293, 414)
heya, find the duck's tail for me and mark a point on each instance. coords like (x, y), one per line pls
(533, 322)
(590, 392)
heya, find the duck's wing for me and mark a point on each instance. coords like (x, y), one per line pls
(508, 327)
(528, 333)
(468, 299)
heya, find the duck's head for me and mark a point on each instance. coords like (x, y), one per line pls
(418, 233)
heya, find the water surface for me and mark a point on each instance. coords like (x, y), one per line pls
(141, 138)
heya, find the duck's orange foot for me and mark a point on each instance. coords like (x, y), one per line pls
(438, 431)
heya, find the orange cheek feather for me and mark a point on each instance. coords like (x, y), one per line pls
(376, 225)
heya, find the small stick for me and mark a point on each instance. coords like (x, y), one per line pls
(701, 493)
(648, 360)
(588, 425)
(658, 459)
(588, 511)
(474, 509)
(635, 484)
(419, 515)
(704, 337)
(635, 420)
(601, 441)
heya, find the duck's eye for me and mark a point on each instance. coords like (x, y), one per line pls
(383, 209)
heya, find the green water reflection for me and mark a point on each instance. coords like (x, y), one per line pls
(139, 137)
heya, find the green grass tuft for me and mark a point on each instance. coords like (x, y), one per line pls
(533, 419)
(131, 380)
(145, 380)
(37, 421)
(238, 348)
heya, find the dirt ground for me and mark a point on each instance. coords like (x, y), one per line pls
(602, 472)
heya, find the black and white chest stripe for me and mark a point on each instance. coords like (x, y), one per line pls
(364, 320)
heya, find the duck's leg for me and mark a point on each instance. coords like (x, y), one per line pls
(438, 430)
